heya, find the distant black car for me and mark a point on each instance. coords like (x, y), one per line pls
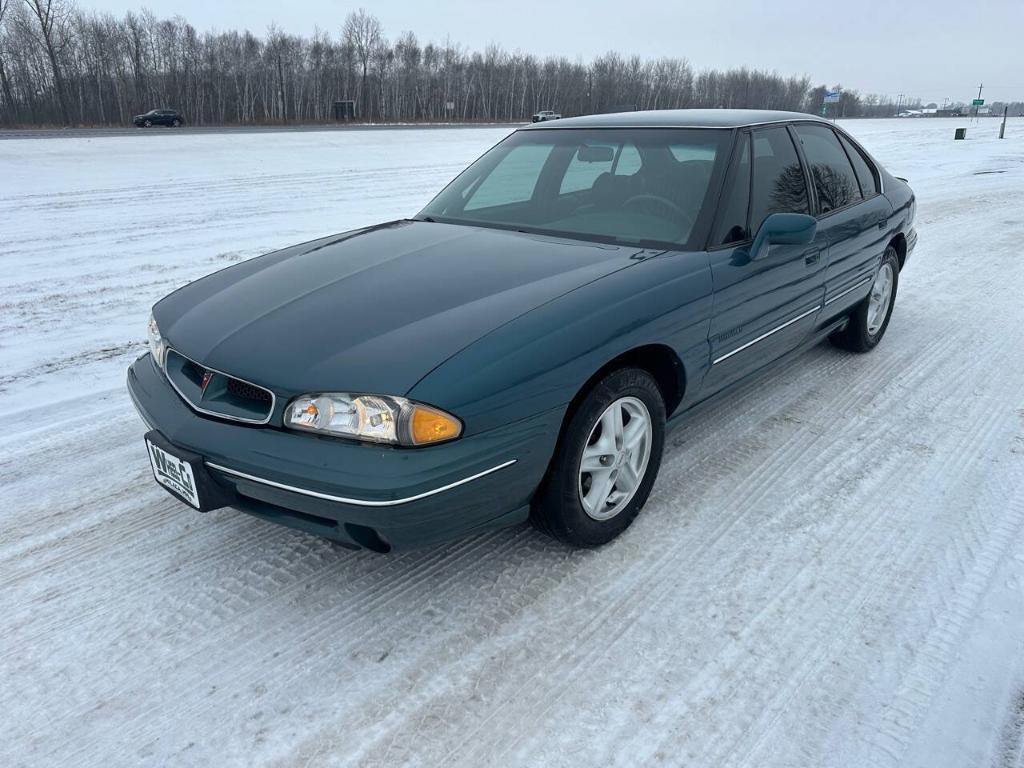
(158, 117)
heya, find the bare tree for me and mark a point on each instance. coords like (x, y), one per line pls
(363, 32)
(53, 17)
(10, 107)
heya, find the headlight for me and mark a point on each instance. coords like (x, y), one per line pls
(156, 343)
(376, 418)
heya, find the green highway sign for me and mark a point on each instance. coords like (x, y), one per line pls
(979, 102)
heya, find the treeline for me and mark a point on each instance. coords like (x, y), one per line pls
(61, 65)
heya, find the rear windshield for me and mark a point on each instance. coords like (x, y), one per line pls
(636, 186)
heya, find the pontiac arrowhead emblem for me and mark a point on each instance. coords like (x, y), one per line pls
(207, 378)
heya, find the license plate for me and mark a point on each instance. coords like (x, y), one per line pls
(174, 474)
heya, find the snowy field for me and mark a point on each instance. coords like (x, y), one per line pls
(830, 571)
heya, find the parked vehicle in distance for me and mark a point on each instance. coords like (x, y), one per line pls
(168, 117)
(517, 349)
(544, 115)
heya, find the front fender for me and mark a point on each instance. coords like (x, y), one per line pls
(540, 360)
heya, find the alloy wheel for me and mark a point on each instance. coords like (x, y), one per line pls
(615, 458)
(880, 299)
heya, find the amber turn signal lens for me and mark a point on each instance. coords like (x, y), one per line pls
(430, 426)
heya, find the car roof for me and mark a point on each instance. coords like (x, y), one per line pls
(677, 118)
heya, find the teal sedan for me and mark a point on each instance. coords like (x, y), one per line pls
(517, 350)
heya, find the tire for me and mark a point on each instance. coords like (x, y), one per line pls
(866, 328)
(176, 123)
(147, 124)
(558, 508)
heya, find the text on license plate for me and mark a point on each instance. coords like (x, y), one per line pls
(172, 472)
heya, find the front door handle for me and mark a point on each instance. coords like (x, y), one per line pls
(812, 258)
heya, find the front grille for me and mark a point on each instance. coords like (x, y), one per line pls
(247, 391)
(215, 393)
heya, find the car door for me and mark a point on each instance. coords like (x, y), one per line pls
(763, 306)
(851, 214)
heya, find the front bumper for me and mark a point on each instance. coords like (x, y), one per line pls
(361, 495)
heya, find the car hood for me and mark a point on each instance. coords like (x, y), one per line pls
(373, 310)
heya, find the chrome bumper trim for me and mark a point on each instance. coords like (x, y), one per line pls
(764, 336)
(357, 502)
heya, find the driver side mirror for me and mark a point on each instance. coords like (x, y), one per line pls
(783, 229)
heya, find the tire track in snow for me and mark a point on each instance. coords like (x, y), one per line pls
(912, 559)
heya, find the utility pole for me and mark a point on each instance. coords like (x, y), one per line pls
(980, 86)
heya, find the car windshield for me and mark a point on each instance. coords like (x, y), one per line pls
(636, 186)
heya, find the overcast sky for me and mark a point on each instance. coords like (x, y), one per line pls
(935, 50)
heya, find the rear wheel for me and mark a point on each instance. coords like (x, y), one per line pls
(870, 318)
(606, 462)
(175, 123)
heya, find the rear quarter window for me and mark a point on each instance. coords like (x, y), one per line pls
(865, 175)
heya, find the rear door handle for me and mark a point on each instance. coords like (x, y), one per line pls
(812, 258)
(883, 224)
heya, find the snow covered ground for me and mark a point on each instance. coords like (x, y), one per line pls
(830, 570)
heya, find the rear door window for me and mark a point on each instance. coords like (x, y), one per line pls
(834, 179)
(778, 179)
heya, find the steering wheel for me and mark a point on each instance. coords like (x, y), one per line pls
(642, 201)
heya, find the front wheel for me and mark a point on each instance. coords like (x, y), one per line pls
(605, 463)
(870, 318)
(147, 124)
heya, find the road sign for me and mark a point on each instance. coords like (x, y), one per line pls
(978, 103)
(831, 97)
